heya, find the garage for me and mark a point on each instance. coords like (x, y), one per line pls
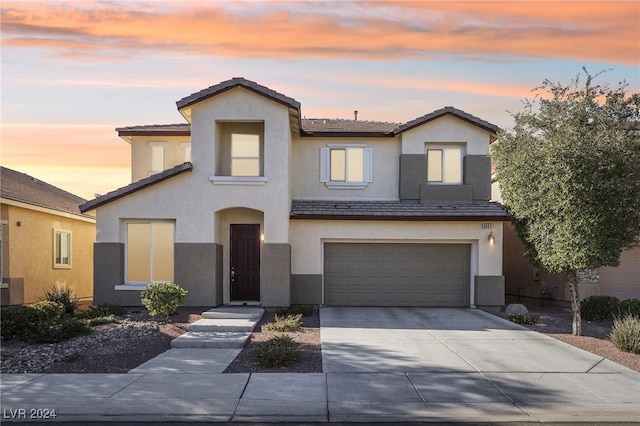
(395, 274)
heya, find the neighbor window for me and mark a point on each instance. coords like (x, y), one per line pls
(444, 164)
(61, 249)
(245, 155)
(149, 251)
(346, 164)
(157, 157)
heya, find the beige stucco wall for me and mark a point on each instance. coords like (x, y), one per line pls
(28, 253)
(141, 153)
(446, 129)
(306, 169)
(192, 198)
(308, 237)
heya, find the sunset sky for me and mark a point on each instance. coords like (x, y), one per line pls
(73, 71)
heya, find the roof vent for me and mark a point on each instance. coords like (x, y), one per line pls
(355, 114)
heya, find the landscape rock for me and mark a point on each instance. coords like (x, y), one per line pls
(516, 309)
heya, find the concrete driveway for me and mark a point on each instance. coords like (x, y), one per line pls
(467, 362)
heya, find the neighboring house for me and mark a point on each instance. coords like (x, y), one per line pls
(523, 281)
(275, 209)
(46, 241)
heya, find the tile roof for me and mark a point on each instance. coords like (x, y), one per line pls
(180, 129)
(237, 82)
(444, 111)
(326, 125)
(136, 186)
(17, 186)
(395, 210)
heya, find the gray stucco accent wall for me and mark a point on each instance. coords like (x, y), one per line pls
(306, 289)
(198, 269)
(445, 193)
(477, 173)
(275, 276)
(489, 291)
(413, 173)
(108, 272)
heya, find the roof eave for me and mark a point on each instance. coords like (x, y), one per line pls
(409, 218)
(135, 187)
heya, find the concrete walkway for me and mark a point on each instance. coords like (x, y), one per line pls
(470, 369)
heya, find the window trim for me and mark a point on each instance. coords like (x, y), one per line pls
(134, 285)
(57, 232)
(443, 147)
(325, 166)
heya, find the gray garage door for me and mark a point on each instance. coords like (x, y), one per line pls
(372, 274)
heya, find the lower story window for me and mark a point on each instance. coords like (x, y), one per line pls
(149, 251)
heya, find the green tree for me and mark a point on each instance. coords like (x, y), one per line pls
(568, 171)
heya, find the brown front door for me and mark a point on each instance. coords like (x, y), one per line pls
(245, 262)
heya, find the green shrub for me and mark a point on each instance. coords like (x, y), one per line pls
(278, 351)
(599, 308)
(64, 297)
(161, 298)
(522, 319)
(108, 319)
(104, 311)
(625, 333)
(629, 306)
(286, 323)
(42, 322)
(305, 310)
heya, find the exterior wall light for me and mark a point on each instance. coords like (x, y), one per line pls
(491, 238)
(262, 236)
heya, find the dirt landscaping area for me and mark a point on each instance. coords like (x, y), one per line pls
(118, 348)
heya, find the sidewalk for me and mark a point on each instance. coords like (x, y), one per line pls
(323, 397)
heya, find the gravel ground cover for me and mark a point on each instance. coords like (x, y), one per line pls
(111, 348)
(308, 339)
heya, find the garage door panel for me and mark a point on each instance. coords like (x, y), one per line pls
(390, 274)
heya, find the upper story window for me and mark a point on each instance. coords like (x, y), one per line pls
(245, 155)
(444, 163)
(346, 166)
(61, 249)
(186, 151)
(158, 155)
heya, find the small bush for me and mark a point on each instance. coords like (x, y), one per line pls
(64, 297)
(625, 333)
(305, 310)
(286, 323)
(278, 351)
(629, 306)
(599, 308)
(42, 322)
(161, 298)
(523, 319)
(109, 319)
(105, 310)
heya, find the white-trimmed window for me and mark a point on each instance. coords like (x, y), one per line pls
(158, 154)
(349, 166)
(149, 251)
(444, 163)
(186, 151)
(61, 249)
(245, 154)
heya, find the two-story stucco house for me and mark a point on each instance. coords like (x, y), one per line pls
(249, 202)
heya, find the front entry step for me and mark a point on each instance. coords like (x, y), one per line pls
(231, 312)
(225, 327)
(223, 324)
(210, 340)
